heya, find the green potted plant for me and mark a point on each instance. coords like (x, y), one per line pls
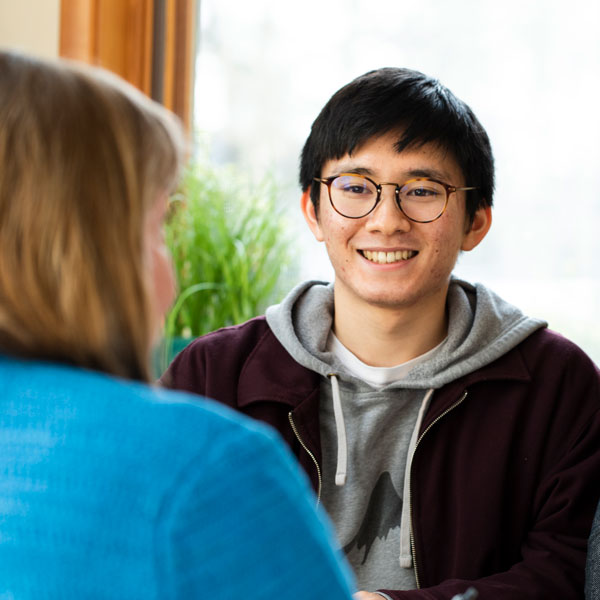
(231, 247)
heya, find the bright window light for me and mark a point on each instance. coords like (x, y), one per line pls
(529, 70)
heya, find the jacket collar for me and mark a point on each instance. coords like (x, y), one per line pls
(271, 374)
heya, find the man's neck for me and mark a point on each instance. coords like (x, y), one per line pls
(383, 336)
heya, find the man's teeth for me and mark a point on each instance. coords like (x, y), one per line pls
(388, 257)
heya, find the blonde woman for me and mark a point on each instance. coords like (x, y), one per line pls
(110, 488)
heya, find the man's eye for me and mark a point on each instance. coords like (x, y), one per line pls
(422, 192)
(350, 185)
(356, 189)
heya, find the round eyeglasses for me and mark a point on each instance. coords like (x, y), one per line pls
(421, 199)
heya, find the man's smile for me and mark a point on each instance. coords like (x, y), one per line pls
(382, 257)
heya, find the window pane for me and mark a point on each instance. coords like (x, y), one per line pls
(528, 69)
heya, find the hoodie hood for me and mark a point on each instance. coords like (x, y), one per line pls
(481, 328)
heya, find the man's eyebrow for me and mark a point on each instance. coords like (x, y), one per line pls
(428, 172)
(411, 173)
(350, 168)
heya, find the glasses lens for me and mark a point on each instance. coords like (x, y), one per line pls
(353, 195)
(423, 200)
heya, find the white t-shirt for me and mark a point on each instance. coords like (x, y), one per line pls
(378, 377)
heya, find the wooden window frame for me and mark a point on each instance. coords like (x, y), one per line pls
(150, 43)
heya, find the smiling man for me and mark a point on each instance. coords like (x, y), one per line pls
(452, 439)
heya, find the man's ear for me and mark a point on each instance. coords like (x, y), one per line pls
(482, 222)
(310, 215)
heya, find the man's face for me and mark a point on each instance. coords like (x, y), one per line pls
(426, 252)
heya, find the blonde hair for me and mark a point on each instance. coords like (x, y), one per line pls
(83, 157)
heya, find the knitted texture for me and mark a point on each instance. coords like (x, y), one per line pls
(113, 489)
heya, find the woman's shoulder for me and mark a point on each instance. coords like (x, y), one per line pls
(128, 413)
(110, 430)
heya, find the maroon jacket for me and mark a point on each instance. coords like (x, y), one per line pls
(504, 481)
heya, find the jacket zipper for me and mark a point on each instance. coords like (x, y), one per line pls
(412, 540)
(310, 454)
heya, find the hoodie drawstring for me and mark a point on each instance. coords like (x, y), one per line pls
(342, 453)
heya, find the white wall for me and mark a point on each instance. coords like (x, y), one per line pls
(31, 26)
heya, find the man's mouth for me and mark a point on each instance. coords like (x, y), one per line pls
(384, 258)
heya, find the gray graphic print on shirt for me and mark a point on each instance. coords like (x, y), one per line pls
(382, 518)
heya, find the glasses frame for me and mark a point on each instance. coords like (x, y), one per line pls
(450, 189)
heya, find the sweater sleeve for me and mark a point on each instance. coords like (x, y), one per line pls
(240, 522)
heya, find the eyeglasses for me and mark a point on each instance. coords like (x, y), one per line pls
(422, 200)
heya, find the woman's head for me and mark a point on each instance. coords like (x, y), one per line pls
(84, 159)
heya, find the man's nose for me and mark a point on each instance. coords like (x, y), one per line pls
(387, 216)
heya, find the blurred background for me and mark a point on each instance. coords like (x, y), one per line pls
(528, 68)
(249, 78)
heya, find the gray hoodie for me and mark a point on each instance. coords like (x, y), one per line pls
(368, 434)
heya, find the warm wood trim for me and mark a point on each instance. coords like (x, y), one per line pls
(114, 34)
(180, 27)
(138, 43)
(76, 32)
(170, 55)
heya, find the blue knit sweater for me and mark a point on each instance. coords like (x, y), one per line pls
(112, 489)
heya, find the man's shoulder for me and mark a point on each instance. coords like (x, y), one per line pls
(247, 333)
(552, 348)
(231, 345)
(550, 365)
(543, 359)
(213, 364)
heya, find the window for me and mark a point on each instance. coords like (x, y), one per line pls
(529, 71)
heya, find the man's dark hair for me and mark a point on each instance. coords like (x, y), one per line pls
(415, 105)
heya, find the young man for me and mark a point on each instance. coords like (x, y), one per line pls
(452, 440)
